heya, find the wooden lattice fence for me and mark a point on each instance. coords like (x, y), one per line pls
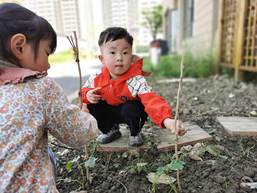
(238, 48)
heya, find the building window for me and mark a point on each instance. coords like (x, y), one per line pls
(171, 29)
(188, 18)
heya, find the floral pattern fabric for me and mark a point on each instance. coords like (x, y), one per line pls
(28, 111)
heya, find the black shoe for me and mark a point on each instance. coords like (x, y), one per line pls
(136, 140)
(109, 137)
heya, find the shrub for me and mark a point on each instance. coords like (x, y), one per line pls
(193, 66)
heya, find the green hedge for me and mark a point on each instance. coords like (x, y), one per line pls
(193, 66)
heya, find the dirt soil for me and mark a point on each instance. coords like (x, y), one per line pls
(232, 162)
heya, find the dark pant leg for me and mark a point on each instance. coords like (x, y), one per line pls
(134, 115)
(103, 114)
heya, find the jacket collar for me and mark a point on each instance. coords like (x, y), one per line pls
(134, 70)
(12, 74)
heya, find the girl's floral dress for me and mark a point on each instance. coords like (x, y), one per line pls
(28, 111)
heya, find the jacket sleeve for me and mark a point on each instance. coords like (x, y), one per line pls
(89, 85)
(155, 106)
(84, 94)
(67, 122)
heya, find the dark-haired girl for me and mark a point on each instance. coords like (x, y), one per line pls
(31, 104)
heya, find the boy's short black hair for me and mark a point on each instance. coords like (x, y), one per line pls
(17, 19)
(114, 33)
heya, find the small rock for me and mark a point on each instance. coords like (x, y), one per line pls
(231, 95)
(219, 179)
(105, 185)
(248, 171)
(253, 113)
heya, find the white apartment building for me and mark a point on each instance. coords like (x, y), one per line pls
(70, 16)
(91, 22)
(121, 13)
(63, 15)
(89, 17)
(49, 9)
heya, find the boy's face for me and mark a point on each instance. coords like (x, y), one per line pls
(117, 56)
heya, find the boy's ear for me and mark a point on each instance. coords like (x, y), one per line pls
(101, 58)
(17, 43)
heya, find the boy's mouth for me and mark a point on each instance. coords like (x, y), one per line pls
(119, 65)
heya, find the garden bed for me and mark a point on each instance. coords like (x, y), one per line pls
(220, 165)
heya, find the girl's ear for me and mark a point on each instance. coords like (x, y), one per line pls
(17, 43)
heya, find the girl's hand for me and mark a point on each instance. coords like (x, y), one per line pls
(93, 96)
(84, 108)
(170, 124)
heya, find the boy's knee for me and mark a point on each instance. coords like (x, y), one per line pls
(97, 106)
(132, 109)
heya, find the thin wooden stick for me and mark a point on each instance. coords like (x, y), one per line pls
(75, 48)
(177, 117)
(70, 38)
(78, 62)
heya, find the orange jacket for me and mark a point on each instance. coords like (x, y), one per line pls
(130, 86)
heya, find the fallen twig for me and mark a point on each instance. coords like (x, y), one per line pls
(109, 156)
(126, 190)
(208, 112)
(62, 146)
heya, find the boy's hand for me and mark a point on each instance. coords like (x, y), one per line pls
(170, 124)
(93, 96)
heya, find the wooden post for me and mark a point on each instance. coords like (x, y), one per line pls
(219, 35)
(241, 10)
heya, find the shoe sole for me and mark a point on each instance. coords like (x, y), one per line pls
(135, 144)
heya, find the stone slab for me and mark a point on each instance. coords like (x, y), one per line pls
(173, 80)
(243, 126)
(164, 139)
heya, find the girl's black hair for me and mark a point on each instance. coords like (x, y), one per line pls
(114, 33)
(16, 19)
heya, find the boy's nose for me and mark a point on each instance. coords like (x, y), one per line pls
(119, 57)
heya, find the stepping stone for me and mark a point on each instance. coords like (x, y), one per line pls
(243, 126)
(165, 140)
(172, 80)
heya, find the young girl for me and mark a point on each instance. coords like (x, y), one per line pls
(31, 104)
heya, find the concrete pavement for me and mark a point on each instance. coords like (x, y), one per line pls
(67, 75)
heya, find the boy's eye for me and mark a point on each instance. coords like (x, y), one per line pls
(125, 53)
(112, 52)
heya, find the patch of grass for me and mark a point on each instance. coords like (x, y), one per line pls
(170, 66)
(60, 57)
(66, 56)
